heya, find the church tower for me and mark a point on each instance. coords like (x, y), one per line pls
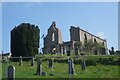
(53, 39)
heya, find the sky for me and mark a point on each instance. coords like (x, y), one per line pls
(98, 18)
(60, 0)
(0, 27)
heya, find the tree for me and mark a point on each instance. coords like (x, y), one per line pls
(93, 47)
(78, 44)
(88, 45)
(25, 40)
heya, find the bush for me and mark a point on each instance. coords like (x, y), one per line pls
(90, 60)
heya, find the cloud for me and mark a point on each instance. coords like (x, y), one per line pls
(101, 35)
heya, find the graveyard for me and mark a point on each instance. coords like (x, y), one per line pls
(58, 60)
(95, 67)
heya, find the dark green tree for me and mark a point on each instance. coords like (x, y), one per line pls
(25, 40)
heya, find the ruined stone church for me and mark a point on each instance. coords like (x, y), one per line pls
(53, 40)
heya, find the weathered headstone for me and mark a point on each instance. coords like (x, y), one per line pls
(76, 51)
(54, 51)
(39, 67)
(64, 50)
(4, 59)
(44, 73)
(20, 61)
(50, 63)
(51, 74)
(68, 53)
(83, 65)
(11, 73)
(32, 62)
(71, 66)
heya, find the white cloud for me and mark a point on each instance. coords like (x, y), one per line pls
(101, 35)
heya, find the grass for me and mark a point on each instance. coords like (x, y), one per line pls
(60, 70)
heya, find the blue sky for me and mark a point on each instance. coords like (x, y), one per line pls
(99, 18)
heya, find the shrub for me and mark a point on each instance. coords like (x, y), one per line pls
(90, 60)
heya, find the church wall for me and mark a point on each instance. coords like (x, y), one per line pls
(76, 34)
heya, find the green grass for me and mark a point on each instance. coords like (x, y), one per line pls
(60, 70)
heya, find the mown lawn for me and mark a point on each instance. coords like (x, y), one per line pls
(60, 70)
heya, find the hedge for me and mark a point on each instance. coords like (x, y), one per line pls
(90, 60)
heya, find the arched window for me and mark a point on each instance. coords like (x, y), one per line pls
(95, 40)
(53, 37)
(103, 43)
(85, 37)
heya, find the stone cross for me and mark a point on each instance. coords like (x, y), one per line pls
(32, 62)
(20, 61)
(50, 64)
(70, 66)
(83, 65)
(39, 67)
(11, 73)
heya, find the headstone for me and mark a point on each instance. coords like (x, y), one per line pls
(11, 73)
(68, 53)
(54, 52)
(39, 67)
(71, 66)
(64, 50)
(44, 73)
(32, 62)
(76, 51)
(83, 65)
(4, 59)
(50, 64)
(0, 58)
(20, 61)
(51, 74)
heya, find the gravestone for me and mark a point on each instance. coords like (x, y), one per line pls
(50, 64)
(76, 51)
(68, 53)
(20, 61)
(4, 59)
(64, 50)
(32, 62)
(83, 65)
(39, 67)
(71, 66)
(52, 74)
(11, 73)
(44, 73)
